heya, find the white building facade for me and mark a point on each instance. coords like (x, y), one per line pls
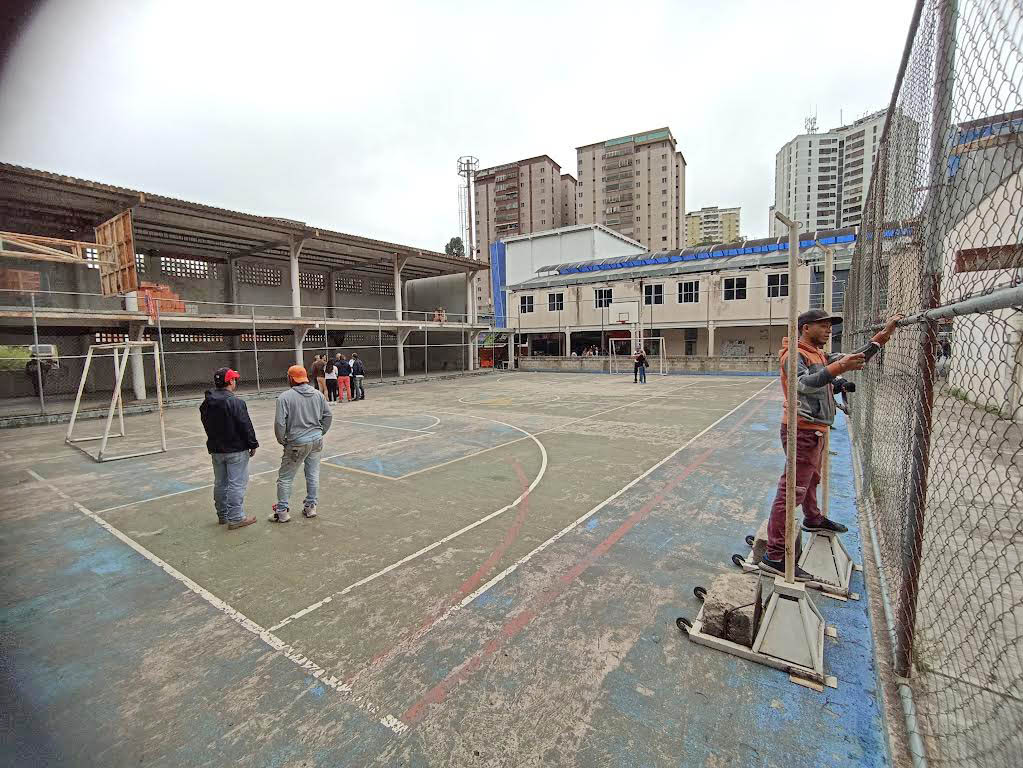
(821, 179)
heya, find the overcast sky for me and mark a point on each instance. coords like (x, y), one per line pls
(351, 116)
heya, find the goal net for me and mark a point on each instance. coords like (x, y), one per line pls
(622, 351)
(123, 355)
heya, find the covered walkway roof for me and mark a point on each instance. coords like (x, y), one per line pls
(43, 203)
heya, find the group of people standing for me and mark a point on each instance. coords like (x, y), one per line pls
(339, 377)
(301, 420)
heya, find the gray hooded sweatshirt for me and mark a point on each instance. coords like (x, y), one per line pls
(303, 416)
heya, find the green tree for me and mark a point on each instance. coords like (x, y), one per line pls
(455, 247)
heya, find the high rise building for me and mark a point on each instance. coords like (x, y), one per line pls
(568, 209)
(712, 225)
(635, 185)
(821, 179)
(514, 199)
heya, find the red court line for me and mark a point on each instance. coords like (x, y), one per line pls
(523, 618)
(467, 587)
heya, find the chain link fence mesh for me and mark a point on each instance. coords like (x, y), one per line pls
(938, 422)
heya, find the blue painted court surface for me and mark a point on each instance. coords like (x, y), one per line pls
(493, 580)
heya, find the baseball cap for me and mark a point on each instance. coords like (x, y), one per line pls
(297, 373)
(815, 316)
(225, 376)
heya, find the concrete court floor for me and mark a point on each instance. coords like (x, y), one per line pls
(425, 618)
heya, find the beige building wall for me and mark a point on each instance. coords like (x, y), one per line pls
(634, 185)
(712, 224)
(513, 199)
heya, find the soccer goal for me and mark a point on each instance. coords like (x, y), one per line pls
(120, 352)
(622, 351)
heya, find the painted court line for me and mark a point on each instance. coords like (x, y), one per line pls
(429, 547)
(289, 652)
(257, 474)
(578, 521)
(470, 526)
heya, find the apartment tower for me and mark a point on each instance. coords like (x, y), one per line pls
(712, 225)
(821, 179)
(635, 185)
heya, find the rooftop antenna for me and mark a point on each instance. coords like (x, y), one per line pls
(810, 123)
(467, 167)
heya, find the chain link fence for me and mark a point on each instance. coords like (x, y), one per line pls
(42, 363)
(938, 418)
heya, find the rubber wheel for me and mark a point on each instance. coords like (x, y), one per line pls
(738, 560)
(684, 624)
(749, 541)
(700, 592)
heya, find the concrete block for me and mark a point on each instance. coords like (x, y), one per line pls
(760, 542)
(732, 608)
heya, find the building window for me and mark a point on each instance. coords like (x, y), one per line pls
(140, 262)
(382, 287)
(602, 298)
(525, 304)
(92, 258)
(653, 294)
(735, 289)
(348, 284)
(777, 285)
(255, 273)
(196, 337)
(555, 302)
(689, 292)
(194, 268)
(312, 281)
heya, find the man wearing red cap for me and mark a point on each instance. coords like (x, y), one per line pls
(231, 440)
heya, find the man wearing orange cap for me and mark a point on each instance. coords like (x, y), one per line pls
(302, 419)
(231, 441)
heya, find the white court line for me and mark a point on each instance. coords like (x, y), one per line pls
(575, 523)
(470, 526)
(289, 652)
(429, 547)
(256, 474)
(384, 426)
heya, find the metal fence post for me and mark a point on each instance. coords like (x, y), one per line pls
(39, 362)
(380, 347)
(163, 360)
(920, 448)
(426, 349)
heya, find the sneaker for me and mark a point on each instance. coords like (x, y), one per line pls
(281, 516)
(777, 567)
(309, 511)
(241, 523)
(825, 526)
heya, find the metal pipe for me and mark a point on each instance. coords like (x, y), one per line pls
(380, 348)
(791, 424)
(1000, 298)
(39, 362)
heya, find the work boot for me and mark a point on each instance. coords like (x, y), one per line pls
(777, 567)
(249, 520)
(824, 526)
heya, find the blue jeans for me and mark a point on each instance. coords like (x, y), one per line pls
(639, 374)
(230, 477)
(306, 455)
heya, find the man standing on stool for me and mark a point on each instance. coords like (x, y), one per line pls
(231, 441)
(303, 418)
(816, 404)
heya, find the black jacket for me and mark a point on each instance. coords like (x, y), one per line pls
(344, 368)
(226, 421)
(358, 369)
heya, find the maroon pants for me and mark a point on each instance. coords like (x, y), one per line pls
(809, 453)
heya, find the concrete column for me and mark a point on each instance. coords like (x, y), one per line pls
(511, 348)
(299, 343)
(400, 337)
(470, 316)
(710, 340)
(332, 293)
(568, 342)
(529, 345)
(136, 332)
(399, 265)
(296, 296)
(231, 287)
